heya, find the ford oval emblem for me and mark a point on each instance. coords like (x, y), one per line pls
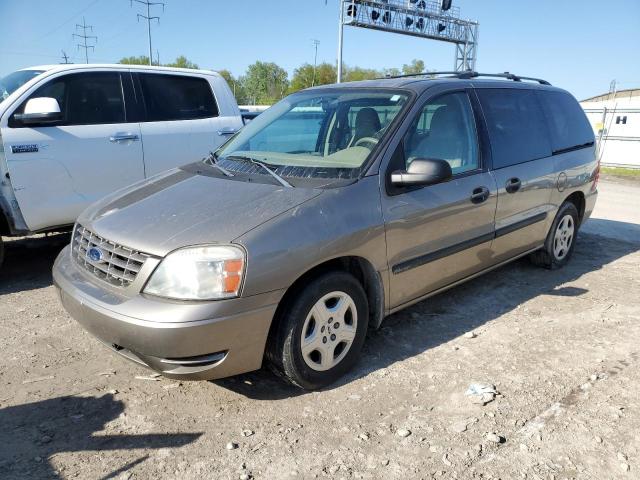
(95, 254)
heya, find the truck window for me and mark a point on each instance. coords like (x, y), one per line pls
(177, 97)
(568, 124)
(517, 126)
(84, 98)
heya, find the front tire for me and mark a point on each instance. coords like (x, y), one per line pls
(561, 239)
(1, 251)
(321, 331)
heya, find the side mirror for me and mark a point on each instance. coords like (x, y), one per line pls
(422, 171)
(39, 110)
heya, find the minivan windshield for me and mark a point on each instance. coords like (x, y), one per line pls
(315, 134)
(15, 80)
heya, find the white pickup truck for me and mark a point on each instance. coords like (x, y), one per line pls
(70, 134)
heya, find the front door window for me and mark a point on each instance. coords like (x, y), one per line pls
(445, 130)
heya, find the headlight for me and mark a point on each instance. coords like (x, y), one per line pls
(199, 273)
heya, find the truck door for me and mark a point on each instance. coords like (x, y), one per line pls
(58, 169)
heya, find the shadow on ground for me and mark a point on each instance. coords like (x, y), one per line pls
(28, 261)
(449, 315)
(31, 434)
(405, 334)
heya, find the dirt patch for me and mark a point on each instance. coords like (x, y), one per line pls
(560, 347)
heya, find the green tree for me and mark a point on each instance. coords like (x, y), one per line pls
(140, 60)
(303, 76)
(182, 62)
(265, 83)
(354, 74)
(236, 86)
(416, 66)
(392, 72)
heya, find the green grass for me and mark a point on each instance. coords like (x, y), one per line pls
(621, 172)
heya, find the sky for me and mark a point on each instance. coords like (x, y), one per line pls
(580, 45)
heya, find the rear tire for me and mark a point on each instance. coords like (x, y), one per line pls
(561, 239)
(321, 331)
(1, 251)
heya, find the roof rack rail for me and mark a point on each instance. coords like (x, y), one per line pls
(469, 74)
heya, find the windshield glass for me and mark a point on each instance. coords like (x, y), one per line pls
(15, 80)
(321, 134)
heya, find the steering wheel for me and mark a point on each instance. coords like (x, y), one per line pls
(372, 140)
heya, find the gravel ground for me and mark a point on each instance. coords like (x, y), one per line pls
(560, 348)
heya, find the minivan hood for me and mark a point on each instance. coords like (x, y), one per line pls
(180, 208)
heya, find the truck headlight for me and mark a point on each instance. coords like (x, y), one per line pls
(199, 273)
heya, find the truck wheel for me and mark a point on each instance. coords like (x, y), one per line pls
(561, 239)
(1, 251)
(321, 331)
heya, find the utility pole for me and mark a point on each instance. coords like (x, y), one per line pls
(340, 40)
(315, 61)
(84, 38)
(65, 57)
(149, 18)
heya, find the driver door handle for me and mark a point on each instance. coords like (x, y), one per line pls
(480, 194)
(124, 137)
(513, 185)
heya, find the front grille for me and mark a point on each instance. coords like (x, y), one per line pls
(116, 264)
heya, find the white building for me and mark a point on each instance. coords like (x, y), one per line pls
(615, 118)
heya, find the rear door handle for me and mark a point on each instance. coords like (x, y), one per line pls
(479, 195)
(124, 137)
(513, 185)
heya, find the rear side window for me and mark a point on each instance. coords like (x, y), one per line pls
(568, 124)
(177, 97)
(517, 126)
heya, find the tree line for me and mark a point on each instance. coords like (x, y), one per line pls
(264, 83)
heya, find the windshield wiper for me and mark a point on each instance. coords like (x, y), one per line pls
(265, 167)
(213, 161)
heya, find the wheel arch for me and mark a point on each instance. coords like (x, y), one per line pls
(359, 267)
(5, 226)
(578, 200)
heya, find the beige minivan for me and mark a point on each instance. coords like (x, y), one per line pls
(336, 207)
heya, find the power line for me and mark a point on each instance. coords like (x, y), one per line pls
(68, 20)
(65, 57)
(149, 18)
(84, 38)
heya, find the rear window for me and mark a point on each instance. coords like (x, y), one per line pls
(517, 126)
(568, 124)
(177, 97)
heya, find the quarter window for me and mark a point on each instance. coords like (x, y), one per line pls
(177, 97)
(567, 122)
(445, 130)
(517, 126)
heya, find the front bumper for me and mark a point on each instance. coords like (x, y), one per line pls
(186, 340)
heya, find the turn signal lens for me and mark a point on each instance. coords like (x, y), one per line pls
(232, 275)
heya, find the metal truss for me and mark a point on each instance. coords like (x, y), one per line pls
(418, 18)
